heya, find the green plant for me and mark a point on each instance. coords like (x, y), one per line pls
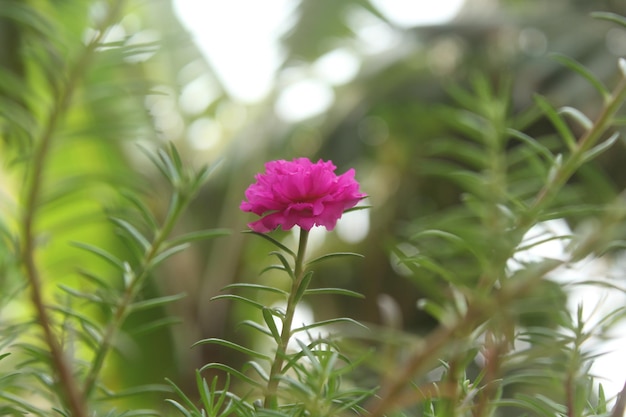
(86, 239)
(63, 313)
(505, 336)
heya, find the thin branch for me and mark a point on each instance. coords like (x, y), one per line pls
(435, 343)
(276, 370)
(570, 393)
(495, 348)
(585, 143)
(129, 295)
(67, 381)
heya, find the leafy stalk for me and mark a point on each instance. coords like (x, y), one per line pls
(74, 399)
(479, 311)
(156, 250)
(582, 148)
(271, 400)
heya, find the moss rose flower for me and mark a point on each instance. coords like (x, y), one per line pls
(302, 193)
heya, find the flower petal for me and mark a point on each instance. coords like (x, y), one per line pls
(302, 193)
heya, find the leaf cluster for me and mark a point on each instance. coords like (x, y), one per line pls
(506, 341)
(311, 369)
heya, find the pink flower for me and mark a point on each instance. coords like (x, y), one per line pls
(301, 193)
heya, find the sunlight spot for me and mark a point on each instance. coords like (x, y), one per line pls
(240, 39)
(410, 13)
(337, 67)
(303, 100)
(373, 34)
(533, 41)
(132, 23)
(616, 41)
(445, 55)
(204, 133)
(231, 115)
(198, 94)
(317, 237)
(354, 226)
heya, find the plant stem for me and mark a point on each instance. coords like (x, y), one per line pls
(569, 167)
(67, 383)
(271, 400)
(130, 293)
(431, 347)
(495, 347)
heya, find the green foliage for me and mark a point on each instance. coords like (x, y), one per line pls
(116, 296)
(55, 119)
(97, 238)
(468, 262)
(304, 381)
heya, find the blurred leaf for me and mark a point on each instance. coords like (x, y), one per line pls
(23, 404)
(256, 326)
(181, 408)
(197, 236)
(170, 251)
(306, 280)
(335, 291)
(258, 369)
(431, 265)
(611, 17)
(84, 295)
(138, 391)
(156, 302)
(132, 232)
(101, 253)
(213, 407)
(357, 208)
(577, 116)
(273, 241)
(255, 287)
(239, 298)
(232, 371)
(268, 317)
(584, 72)
(600, 148)
(327, 323)
(184, 397)
(145, 212)
(334, 255)
(557, 122)
(285, 264)
(433, 308)
(533, 144)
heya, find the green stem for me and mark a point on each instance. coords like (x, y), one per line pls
(271, 399)
(130, 293)
(68, 386)
(435, 343)
(569, 167)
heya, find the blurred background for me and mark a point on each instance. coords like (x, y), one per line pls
(363, 83)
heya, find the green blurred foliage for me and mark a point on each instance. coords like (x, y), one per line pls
(401, 123)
